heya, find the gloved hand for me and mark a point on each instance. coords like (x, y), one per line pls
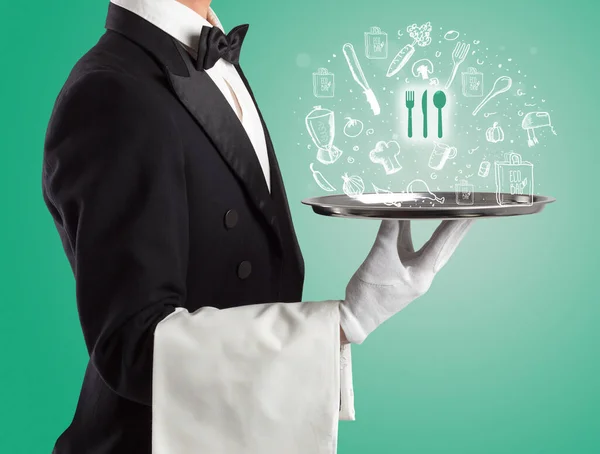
(393, 274)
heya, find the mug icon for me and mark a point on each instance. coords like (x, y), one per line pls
(440, 154)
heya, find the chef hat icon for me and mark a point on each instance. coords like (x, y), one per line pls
(534, 120)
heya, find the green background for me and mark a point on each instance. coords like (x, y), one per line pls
(501, 356)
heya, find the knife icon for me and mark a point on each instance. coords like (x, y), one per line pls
(424, 108)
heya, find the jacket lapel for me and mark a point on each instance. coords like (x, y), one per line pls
(276, 179)
(207, 105)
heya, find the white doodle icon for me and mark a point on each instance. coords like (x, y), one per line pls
(494, 133)
(502, 84)
(420, 187)
(472, 83)
(353, 128)
(451, 35)
(323, 84)
(533, 121)
(464, 193)
(320, 124)
(484, 169)
(387, 155)
(353, 185)
(514, 177)
(421, 37)
(387, 197)
(376, 44)
(321, 180)
(458, 56)
(440, 155)
(422, 68)
(359, 77)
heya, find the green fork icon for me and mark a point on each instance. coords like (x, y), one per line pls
(410, 103)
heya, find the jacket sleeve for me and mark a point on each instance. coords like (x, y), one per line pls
(114, 182)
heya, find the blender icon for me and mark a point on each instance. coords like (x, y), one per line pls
(321, 127)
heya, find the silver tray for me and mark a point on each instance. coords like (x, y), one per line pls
(422, 206)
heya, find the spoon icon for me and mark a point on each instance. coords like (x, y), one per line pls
(439, 101)
(502, 84)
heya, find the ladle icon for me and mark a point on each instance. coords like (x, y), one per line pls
(502, 84)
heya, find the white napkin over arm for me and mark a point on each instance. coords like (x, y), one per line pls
(255, 379)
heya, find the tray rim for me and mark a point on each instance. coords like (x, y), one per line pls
(381, 211)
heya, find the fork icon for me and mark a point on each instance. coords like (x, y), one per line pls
(458, 56)
(410, 103)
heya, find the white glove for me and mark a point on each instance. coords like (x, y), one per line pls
(393, 274)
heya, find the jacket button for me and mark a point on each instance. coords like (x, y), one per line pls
(244, 269)
(231, 219)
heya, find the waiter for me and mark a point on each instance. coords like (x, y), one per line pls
(162, 181)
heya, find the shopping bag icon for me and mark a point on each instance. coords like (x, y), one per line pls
(323, 84)
(464, 193)
(514, 177)
(472, 83)
(376, 44)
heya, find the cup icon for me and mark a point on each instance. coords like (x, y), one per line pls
(440, 154)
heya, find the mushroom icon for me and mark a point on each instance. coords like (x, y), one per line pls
(387, 154)
(422, 68)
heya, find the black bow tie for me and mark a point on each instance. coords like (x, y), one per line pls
(214, 44)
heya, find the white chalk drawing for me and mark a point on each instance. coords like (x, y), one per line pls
(520, 92)
(489, 114)
(433, 176)
(502, 84)
(320, 124)
(323, 83)
(530, 105)
(465, 195)
(376, 44)
(480, 62)
(440, 155)
(387, 197)
(421, 37)
(353, 128)
(458, 56)
(533, 121)
(514, 177)
(494, 133)
(321, 180)
(421, 188)
(354, 185)
(351, 159)
(484, 169)
(434, 81)
(451, 35)
(370, 132)
(422, 68)
(386, 154)
(520, 113)
(472, 83)
(438, 54)
(359, 77)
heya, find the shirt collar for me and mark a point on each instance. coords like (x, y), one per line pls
(172, 17)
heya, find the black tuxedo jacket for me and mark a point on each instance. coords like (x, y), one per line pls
(160, 202)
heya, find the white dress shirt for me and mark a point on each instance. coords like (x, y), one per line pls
(185, 25)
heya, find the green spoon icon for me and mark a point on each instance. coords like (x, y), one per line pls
(439, 101)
